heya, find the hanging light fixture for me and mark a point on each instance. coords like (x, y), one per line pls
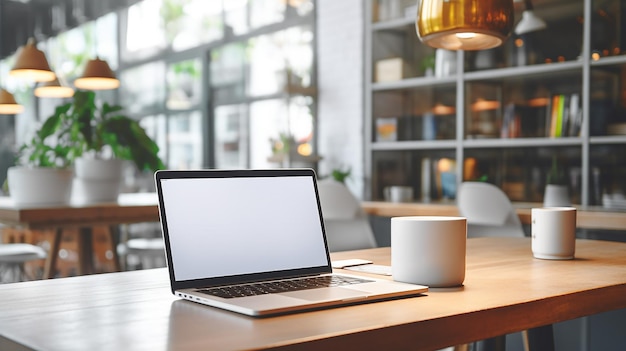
(529, 22)
(485, 105)
(97, 76)
(54, 89)
(464, 24)
(440, 109)
(31, 64)
(8, 105)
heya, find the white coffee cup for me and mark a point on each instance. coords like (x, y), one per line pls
(398, 193)
(429, 250)
(553, 232)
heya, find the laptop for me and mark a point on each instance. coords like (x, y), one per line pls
(253, 242)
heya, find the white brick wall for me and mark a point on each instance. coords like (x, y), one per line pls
(340, 86)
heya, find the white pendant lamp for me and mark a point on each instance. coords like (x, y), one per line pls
(529, 22)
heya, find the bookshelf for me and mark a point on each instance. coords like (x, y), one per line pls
(501, 114)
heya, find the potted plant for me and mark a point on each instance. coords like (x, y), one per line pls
(43, 173)
(556, 193)
(428, 65)
(102, 138)
(340, 175)
(95, 140)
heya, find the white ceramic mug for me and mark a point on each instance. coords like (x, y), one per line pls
(553, 232)
(398, 193)
(429, 250)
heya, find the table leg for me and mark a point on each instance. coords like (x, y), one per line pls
(53, 254)
(541, 338)
(114, 237)
(497, 343)
(85, 251)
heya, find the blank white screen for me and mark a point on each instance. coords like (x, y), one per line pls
(230, 226)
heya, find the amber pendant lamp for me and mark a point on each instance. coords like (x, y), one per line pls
(8, 105)
(97, 76)
(464, 24)
(54, 89)
(31, 64)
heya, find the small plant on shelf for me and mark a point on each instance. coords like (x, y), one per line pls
(556, 192)
(428, 64)
(556, 174)
(340, 175)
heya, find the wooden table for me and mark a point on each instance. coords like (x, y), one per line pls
(130, 208)
(137, 208)
(588, 217)
(506, 290)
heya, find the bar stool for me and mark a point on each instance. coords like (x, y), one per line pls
(13, 259)
(143, 247)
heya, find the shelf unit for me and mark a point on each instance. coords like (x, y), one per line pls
(508, 137)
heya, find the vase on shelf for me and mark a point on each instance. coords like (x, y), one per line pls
(556, 195)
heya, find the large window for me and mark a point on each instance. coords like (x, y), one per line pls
(231, 142)
(69, 52)
(184, 136)
(263, 99)
(216, 83)
(184, 84)
(154, 26)
(224, 84)
(282, 131)
(142, 88)
(280, 60)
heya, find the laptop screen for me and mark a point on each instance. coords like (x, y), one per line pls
(227, 226)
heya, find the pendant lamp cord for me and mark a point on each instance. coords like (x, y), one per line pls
(529, 5)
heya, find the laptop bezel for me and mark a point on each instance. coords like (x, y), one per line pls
(236, 279)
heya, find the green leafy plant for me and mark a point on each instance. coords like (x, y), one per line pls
(81, 127)
(51, 146)
(341, 175)
(483, 178)
(428, 62)
(283, 144)
(556, 175)
(103, 127)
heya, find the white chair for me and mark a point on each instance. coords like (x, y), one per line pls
(13, 258)
(142, 247)
(488, 210)
(347, 226)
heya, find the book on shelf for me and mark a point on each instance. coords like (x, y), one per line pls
(511, 122)
(386, 129)
(576, 115)
(442, 179)
(564, 116)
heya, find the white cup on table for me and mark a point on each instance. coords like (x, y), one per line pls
(429, 250)
(553, 232)
(398, 193)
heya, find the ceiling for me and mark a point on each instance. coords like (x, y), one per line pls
(21, 19)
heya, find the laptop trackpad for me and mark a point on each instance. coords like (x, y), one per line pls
(328, 294)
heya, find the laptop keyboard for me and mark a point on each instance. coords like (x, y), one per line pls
(228, 292)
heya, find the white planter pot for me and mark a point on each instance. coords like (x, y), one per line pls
(556, 196)
(33, 186)
(96, 180)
